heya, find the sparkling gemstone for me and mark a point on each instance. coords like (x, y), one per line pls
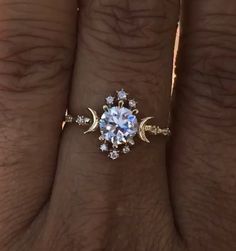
(132, 103)
(81, 120)
(118, 124)
(114, 154)
(126, 149)
(104, 147)
(122, 95)
(110, 100)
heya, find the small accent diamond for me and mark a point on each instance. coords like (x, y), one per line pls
(132, 103)
(81, 120)
(114, 154)
(104, 147)
(110, 100)
(122, 95)
(126, 149)
(69, 119)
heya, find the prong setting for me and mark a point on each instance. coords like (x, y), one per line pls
(121, 103)
(105, 108)
(135, 111)
(131, 141)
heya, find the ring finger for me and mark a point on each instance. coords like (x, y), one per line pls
(127, 45)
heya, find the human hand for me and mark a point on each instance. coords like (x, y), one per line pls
(57, 191)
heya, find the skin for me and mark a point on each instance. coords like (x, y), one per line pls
(57, 191)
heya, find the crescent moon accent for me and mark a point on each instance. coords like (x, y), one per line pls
(95, 122)
(142, 130)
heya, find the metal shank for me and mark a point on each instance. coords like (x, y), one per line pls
(84, 121)
(156, 130)
(80, 120)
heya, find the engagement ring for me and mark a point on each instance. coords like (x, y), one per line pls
(118, 125)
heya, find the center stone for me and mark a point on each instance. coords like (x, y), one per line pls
(118, 124)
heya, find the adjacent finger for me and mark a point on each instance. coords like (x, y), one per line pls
(121, 204)
(204, 144)
(37, 39)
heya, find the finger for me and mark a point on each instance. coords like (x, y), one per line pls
(36, 50)
(204, 145)
(108, 204)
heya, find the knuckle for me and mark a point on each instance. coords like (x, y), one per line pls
(34, 49)
(211, 96)
(207, 71)
(127, 25)
(26, 70)
(216, 76)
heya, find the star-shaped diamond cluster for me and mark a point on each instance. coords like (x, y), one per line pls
(118, 124)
